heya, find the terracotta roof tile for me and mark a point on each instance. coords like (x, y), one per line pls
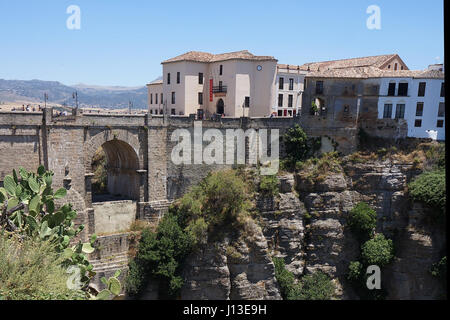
(373, 61)
(374, 72)
(197, 56)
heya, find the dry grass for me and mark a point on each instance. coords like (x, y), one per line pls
(317, 169)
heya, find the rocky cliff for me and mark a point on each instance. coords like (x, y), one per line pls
(306, 225)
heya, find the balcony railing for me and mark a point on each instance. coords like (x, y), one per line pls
(219, 89)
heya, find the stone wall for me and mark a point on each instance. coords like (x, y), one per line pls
(114, 216)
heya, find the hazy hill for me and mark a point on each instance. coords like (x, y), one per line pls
(88, 96)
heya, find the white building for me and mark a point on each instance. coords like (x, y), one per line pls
(416, 96)
(289, 89)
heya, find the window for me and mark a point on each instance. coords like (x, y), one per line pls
(281, 84)
(156, 98)
(400, 111)
(403, 89)
(346, 108)
(418, 123)
(220, 86)
(172, 111)
(391, 90)
(200, 78)
(178, 77)
(290, 100)
(419, 109)
(168, 78)
(442, 90)
(395, 66)
(162, 101)
(280, 113)
(151, 111)
(422, 86)
(389, 66)
(173, 97)
(221, 70)
(247, 102)
(387, 114)
(151, 98)
(291, 84)
(200, 98)
(441, 111)
(440, 124)
(319, 87)
(401, 68)
(280, 100)
(160, 111)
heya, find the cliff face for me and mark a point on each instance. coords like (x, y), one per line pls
(236, 270)
(306, 225)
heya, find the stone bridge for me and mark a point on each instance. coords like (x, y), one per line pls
(139, 166)
(137, 148)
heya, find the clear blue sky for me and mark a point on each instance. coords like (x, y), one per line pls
(123, 42)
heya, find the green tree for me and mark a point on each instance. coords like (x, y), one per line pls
(296, 143)
(429, 188)
(362, 220)
(377, 251)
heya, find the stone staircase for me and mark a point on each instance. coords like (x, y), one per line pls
(115, 262)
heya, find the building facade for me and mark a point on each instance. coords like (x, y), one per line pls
(289, 88)
(232, 84)
(419, 98)
(155, 97)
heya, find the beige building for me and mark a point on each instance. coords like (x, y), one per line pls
(234, 84)
(155, 97)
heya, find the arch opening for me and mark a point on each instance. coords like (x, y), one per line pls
(220, 107)
(115, 166)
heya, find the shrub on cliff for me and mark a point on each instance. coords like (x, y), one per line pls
(159, 256)
(295, 143)
(355, 271)
(214, 202)
(269, 185)
(362, 220)
(284, 278)
(429, 188)
(314, 286)
(218, 199)
(377, 251)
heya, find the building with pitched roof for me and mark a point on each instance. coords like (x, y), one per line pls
(232, 84)
(377, 93)
(346, 92)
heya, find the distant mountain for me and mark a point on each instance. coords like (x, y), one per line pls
(88, 95)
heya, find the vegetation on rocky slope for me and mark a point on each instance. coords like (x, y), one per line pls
(375, 250)
(314, 286)
(219, 201)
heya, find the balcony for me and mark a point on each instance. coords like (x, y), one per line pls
(219, 89)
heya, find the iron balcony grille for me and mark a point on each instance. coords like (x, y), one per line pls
(219, 89)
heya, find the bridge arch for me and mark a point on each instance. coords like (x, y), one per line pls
(123, 167)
